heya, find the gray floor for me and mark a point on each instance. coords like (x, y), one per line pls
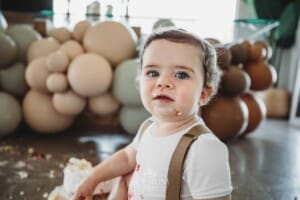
(264, 166)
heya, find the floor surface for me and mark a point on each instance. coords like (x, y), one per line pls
(264, 166)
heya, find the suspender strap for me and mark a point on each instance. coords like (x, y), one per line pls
(176, 164)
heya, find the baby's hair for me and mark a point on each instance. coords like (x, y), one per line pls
(208, 52)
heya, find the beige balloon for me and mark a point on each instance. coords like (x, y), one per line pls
(68, 103)
(57, 61)
(90, 75)
(104, 104)
(61, 34)
(113, 40)
(13, 79)
(80, 29)
(10, 114)
(40, 48)
(72, 49)
(36, 74)
(57, 82)
(40, 114)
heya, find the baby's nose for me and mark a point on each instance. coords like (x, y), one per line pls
(165, 84)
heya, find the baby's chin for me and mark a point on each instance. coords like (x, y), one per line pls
(166, 113)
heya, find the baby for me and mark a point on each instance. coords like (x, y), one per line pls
(178, 75)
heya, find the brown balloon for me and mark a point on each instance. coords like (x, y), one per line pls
(260, 74)
(239, 53)
(256, 52)
(257, 111)
(267, 48)
(234, 82)
(226, 117)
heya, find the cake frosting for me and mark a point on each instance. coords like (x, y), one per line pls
(74, 172)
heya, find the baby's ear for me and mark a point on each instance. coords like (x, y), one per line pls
(206, 94)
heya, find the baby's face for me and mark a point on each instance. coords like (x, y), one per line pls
(171, 79)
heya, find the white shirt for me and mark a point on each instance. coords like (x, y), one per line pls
(206, 168)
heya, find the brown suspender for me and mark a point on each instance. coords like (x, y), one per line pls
(176, 164)
(177, 160)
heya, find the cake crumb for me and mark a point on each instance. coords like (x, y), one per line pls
(23, 174)
(45, 195)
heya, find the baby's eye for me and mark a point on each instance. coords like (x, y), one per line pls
(182, 75)
(152, 73)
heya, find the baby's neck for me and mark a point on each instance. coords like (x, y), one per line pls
(165, 128)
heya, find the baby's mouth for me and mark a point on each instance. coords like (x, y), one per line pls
(163, 97)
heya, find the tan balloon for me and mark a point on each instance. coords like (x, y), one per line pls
(36, 74)
(68, 103)
(61, 34)
(104, 104)
(90, 75)
(72, 49)
(40, 48)
(57, 61)
(80, 29)
(57, 82)
(113, 40)
(40, 114)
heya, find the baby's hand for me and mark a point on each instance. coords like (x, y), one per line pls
(84, 191)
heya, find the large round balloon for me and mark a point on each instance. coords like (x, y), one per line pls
(80, 28)
(226, 117)
(40, 114)
(40, 48)
(57, 61)
(13, 79)
(68, 103)
(61, 34)
(36, 74)
(113, 40)
(104, 104)
(125, 84)
(90, 75)
(24, 36)
(57, 82)
(261, 75)
(10, 114)
(72, 49)
(234, 82)
(131, 118)
(239, 53)
(257, 111)
(8, 50)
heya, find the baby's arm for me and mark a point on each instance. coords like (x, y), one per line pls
(120, 163)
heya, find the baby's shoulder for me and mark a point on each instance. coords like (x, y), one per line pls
(208, 145)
